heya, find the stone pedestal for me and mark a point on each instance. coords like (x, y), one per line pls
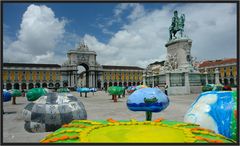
(167, 79)
(187, 84)
(181, 49)
(180, 88)
(179, 68)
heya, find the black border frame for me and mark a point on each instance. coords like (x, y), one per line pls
(124, 1)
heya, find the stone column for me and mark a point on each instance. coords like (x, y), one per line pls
(90, 79)
(217, 76)
(206, 74)
(94, 79)
(187, 84)
(167, 79)
(72, 79)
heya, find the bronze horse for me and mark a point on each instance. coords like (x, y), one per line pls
(177, 25)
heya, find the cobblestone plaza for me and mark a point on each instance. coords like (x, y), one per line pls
(98, 106)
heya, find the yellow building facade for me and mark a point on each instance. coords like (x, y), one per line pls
(27, 76)
(121, 76)
(116, 76)
(227, 69)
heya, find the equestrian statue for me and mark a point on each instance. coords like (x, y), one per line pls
(177, 25)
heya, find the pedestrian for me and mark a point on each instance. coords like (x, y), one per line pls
(23, 93)
(166, 88)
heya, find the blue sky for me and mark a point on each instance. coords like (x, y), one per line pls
(121, 34)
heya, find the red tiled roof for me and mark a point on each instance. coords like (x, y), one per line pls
(209, 63)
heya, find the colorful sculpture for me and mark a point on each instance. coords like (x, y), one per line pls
(141, 86)
(217, 87)
(51, 111)
(93, 90)
(215, 110)
(83, 90)
(227, 88)
(132, 131)
(131, 89)
(6, 96)
(63, 90)
(34, 93)
(208, 87)
(149, 100)
(15, 93)
(114, 91)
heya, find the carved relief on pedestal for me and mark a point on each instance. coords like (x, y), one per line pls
(171, 62)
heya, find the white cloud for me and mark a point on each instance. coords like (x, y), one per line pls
(138, 11)
(212, 27)
(140, 41)
(120, 8)
(39, 33)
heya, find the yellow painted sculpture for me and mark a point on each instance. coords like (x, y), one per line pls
(112, 131)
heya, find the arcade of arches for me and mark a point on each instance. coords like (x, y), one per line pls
(26, 76)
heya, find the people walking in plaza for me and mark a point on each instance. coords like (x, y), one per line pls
(166, 89)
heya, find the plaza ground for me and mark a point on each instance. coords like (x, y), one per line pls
(98, 106)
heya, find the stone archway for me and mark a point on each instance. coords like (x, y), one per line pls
(82, 56)
(85, 74)
(16, 86)
(120, 84)
(9, 86)
(44, 85)
(24, 86)
(30, 85)
(37, 85)
(225, 81)
(134, 84)
(50, 85)
(129, 84)
(57, 85)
